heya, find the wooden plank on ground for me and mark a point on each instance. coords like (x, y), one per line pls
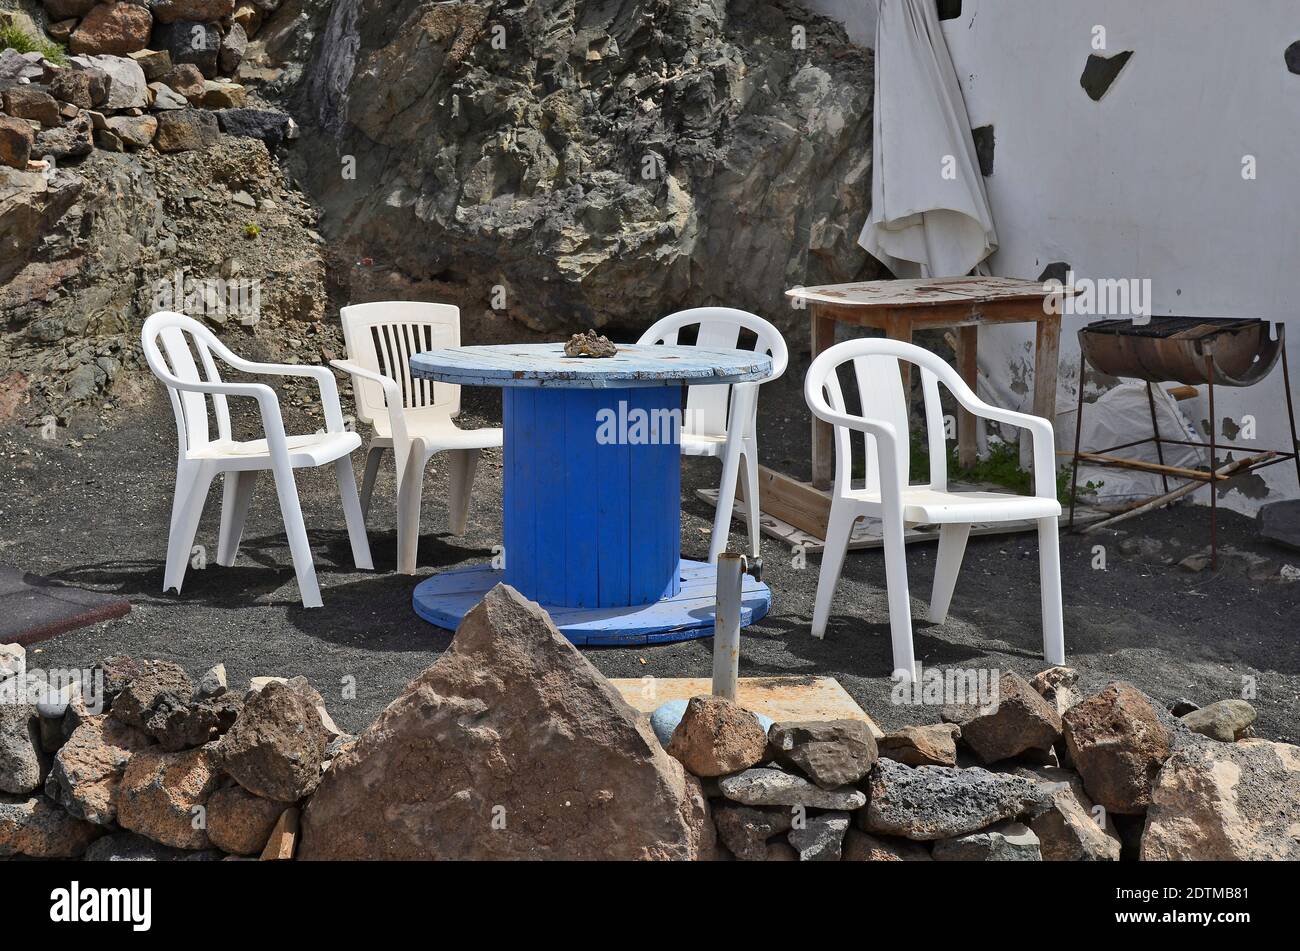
(794, 502)
(784, 699)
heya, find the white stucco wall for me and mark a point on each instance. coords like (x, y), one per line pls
(1147, 183)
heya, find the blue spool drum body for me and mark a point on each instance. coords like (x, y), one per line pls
(593, 494)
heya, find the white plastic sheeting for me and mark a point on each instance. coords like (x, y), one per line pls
(1123, 415)
(930, 216)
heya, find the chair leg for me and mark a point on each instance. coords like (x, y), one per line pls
(952, 545)
(409, 498)
(726, 500)
(464, 462)
(1049, 579)
(900, 605)
(838, 530)
(191, 492)
(290, 509)
(352, 514)
(749, 461)
(236, 496)
(374, 456)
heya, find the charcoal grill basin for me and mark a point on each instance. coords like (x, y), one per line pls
(1189, 350)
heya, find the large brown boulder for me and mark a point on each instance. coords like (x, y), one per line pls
(163, 796)
(239, 822)
(510, 746)
(1226, 801)
(114, 28)
(832, 753)
(89, 768)
(28, 102)
(277, 745)
(39, 829)
(1118, 739)
(1020, 721)
(717, 737)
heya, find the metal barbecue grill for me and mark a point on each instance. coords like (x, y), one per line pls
(1187, 351)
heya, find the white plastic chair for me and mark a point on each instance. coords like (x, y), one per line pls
(888, 495)
(412, 417)
(201, 458)
(721, 421)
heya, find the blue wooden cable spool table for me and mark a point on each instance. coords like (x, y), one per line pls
(592, 490)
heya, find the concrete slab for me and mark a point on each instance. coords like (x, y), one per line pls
(782, 698)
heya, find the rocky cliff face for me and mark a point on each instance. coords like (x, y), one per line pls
(602, 161)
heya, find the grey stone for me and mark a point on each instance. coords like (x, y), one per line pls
(185, 130)
(939, 802)
(233, 46)
(166, 98)
(20, 748)
(1226, 721)
(821, 837)
(213, 682)
(13, 661)
(1006, 842)
(127, 88)
(831, 753)
(1279, 522)
(773, 787)
(745, 830)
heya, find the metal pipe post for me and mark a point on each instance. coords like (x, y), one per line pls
(726, 625)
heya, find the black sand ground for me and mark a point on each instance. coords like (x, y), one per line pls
(91, 508)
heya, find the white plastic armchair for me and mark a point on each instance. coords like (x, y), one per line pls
(888, 494)
(414, 418)
(170, 342)
(721, 421)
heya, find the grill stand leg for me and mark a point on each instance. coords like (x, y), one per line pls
(1078, 432)
(1214, 489)
(1290, 404)
(1155, 431)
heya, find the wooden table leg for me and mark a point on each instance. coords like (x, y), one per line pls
(968, 366)
(899, 327)
(823, 446)
(1047, 349)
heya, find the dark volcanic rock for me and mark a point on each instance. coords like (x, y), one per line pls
(744, 830)
(269, 125)
(155, 682)
(510, 746)
(936, 802)
(612, 161)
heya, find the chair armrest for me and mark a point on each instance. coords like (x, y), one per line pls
(1044, 439)
(268, 405)
(392, 397)
(886, 437)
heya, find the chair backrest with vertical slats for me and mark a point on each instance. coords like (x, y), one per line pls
(877, 373)
(383, 336)
(719, 329)
(183, 338)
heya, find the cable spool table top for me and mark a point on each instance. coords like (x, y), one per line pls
(545, 365)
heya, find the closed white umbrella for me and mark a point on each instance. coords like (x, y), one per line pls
(930, 215)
